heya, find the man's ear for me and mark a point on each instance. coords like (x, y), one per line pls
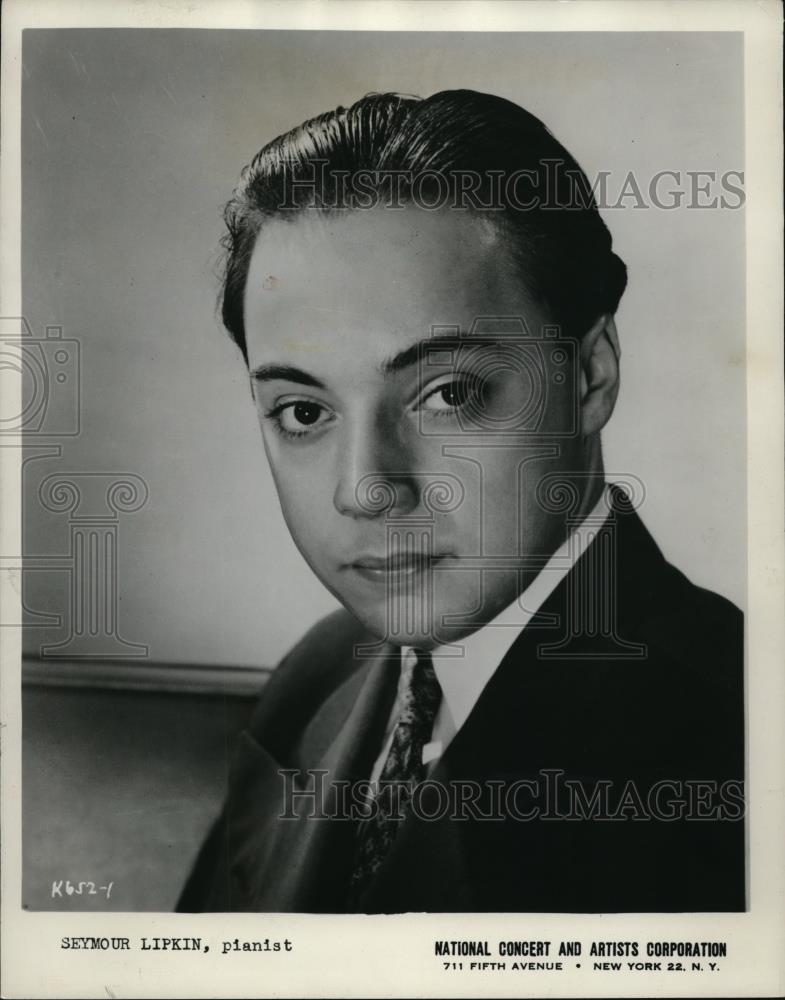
(599, 353)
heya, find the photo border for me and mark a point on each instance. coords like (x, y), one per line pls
(355, 955)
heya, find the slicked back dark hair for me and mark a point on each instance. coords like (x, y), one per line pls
(561, 244)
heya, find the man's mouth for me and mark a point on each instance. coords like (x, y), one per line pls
(400, 566)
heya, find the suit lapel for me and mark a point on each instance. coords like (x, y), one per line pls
(431, 864)
(301, 863)
(531, 715)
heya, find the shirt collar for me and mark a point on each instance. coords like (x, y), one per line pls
(462, 677)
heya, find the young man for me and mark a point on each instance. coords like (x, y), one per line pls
(522, 707)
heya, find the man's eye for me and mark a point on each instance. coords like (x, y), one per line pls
(299, 417)
(448, 397)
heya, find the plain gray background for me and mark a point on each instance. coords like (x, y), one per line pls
(132, 141)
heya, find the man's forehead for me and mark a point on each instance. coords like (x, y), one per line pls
(405, 250)
(319, 278)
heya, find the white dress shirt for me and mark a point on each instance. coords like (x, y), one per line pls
(463, 677)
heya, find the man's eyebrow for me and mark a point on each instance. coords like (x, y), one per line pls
(408, 356)
(411, 355)
(287, 373)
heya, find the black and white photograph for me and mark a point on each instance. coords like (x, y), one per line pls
(384, 418)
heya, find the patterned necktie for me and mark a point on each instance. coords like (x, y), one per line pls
(403, 769)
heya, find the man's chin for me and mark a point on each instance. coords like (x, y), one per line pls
(410, 624)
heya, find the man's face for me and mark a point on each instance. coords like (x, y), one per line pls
(360, 427)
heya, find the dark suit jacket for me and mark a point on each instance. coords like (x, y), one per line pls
(649, 690)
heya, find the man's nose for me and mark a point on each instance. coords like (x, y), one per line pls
(375, 474)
